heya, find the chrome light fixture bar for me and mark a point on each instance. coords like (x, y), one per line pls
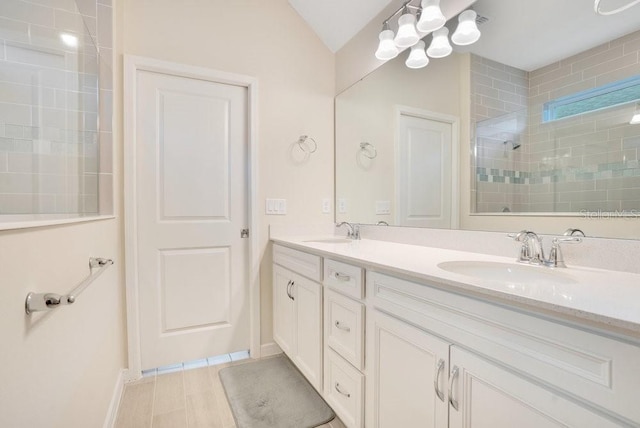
(428, 18)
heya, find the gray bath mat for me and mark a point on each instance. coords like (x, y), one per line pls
(271, 393)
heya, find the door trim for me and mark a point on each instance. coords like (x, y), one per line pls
(454, 121)
(133, 64)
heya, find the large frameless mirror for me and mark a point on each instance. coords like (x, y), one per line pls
(545, 124)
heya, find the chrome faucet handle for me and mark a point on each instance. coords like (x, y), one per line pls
(574, 232)
(556, 259)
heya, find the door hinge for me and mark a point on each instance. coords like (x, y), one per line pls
(244, 233)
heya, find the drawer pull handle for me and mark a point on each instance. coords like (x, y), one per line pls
(342, 327)
(454, 375)
(436, 381)
(346, 394)
(342, 277)
(290, 290)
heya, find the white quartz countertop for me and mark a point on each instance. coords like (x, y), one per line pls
(600, 298)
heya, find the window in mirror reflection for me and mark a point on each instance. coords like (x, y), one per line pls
(610, 95)
(585, 162)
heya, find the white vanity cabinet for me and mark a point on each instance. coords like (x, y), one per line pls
(402, 352)
(487, 395)
(407, 375)
(297, 311)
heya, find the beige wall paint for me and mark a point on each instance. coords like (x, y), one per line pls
(59, 368)
(295, 73)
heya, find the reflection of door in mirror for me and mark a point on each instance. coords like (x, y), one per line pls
(423, 173)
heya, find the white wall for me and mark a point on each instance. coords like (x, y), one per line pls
(295, 72)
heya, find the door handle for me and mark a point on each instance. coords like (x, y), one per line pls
(454, 375)
(436, 381)
(288, 288)
(291, 294)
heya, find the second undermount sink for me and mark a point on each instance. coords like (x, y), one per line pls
(510, 273)
(336, 240)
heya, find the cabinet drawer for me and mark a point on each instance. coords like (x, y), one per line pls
(305, 264)
(345, 327)
(344, 388)
(344, 278)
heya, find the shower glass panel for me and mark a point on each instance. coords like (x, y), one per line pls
(585, 163)
(48, 114)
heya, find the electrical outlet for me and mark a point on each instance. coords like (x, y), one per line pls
(326, 206)
(342, 206)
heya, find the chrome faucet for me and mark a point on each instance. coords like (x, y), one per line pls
(353, 230)
(532, 251)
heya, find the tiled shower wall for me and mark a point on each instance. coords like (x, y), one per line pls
(499, 98)
(55, 155)
(583, 163)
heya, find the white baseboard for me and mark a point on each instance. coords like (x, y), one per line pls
(269, 349)
(114, 405)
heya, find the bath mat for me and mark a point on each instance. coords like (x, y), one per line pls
(272, 393)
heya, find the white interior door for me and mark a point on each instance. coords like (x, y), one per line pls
(424, 179)
(191, 181)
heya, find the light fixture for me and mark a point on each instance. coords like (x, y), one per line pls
(635, 119)
(431, 17)
(407, 34)
(417, 57)
(430, 20)
(467, 31)
(387, 49)
(69, 40)
(440, 46)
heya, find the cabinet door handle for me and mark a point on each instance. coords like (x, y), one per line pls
(342, 277)
(291, 294)
(436, 381)
(346, 394)
(288, 288)
(454, 375)
(342, 327)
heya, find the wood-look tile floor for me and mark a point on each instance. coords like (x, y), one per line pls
(189, 398)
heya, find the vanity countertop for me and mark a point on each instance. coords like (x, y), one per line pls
(603, 299)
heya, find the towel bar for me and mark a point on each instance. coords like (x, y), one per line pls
(37, 302)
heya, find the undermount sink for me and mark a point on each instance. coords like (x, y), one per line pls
(329, 241)
(510, 273)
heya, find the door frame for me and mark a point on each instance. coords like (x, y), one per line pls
(454, 121)
(133, 64)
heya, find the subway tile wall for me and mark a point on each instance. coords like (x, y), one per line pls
(583, 163)
(55, 107)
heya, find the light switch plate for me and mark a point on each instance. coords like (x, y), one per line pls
(383, 207)
(276, 207)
